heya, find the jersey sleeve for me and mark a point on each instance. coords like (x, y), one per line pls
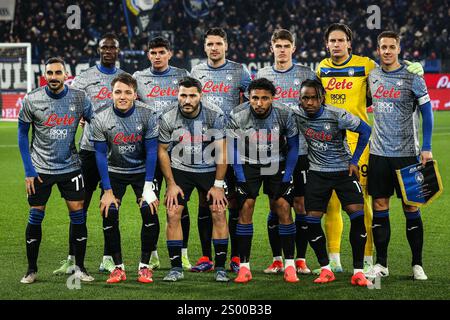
(25, 114)
(347, 121)
(152, 127)
(219, 126)
(370, 65)
(96, 129)
(291, 124)
(420, 90)
(78, 83)
(165, 133)
(245, 79)
(232, 126)
(87, 108)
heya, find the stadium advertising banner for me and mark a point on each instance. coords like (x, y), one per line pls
(439, 89)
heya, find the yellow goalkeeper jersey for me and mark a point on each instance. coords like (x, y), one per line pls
(346, 84)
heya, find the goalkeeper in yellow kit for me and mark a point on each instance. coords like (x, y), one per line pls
(344, 77)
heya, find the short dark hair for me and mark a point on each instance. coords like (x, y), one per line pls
(159, 42)
(189, 82)
(262, 84)
(111, 36)
(216, 32)
(127, 79)
(317, 85)
(388, 34)
(339, 27)
(55, 60)
(283, 34)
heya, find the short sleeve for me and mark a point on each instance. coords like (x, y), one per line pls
(96, 129)
(25, 114)
(165, 133)
(152, 127)
(420, 90)
(347, 121)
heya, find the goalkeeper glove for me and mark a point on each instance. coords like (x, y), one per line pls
(414, 67)
(149, 192)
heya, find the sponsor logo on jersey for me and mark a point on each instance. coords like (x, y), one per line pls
(103, 94)
(335, 84)
(123, 138)
(210, 86)
(383, 92)
(338, 98)
(157, 91)
(53, 120)
(322, 135)
(286, 94)
(58, 134)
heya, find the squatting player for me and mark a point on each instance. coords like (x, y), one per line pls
(287, 77)
(125, 141)
(96, 82)
(158, 88)
(397, 96)
(332, 168)
(344, 76)
(223, 82)
(264, 138)
(54, 112)
(193, 133)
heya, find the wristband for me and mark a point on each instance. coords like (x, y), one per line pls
(219, 183)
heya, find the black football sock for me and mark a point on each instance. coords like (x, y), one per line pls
(244, 235)
(185, 226)
(33, 236)
(274, 234)
(287, 239)
(381, 230)
(205, 230)
(317, 240)
(301, 235)
(414, 233)
(358, 238)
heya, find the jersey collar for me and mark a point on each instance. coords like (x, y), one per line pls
(226, 62)
(124, 114)
(106, 70)
(318, 113)
(282, 71)
(160, 73)
(394, 71)
(60, 95)
(343, 63)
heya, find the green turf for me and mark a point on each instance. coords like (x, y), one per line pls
(14, 216)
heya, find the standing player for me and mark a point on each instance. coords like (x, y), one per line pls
(287, 78)
(189, 130)
(332, 167)
(54, 112)
(125, 141)
(158, 88)
(261, 132)
(396, 95)
(96, 82)
(344, 76)
(223, 83)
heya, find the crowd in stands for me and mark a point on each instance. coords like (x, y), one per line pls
(423, 25)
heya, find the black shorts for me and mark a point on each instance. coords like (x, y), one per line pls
(230, 181)
(187, 181)
(70, 185)
(89, 169)
(300, 171)
(382, 177)
(120, 181)
(320, 185)
(273, 185)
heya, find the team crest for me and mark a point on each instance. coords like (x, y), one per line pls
(399, 83)
(175, 81)
(296, 82)
(72, 108)
(229, 77)
(419, 177)
(351, 72)
(327, 126)
(139, 127)
(276, 128)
